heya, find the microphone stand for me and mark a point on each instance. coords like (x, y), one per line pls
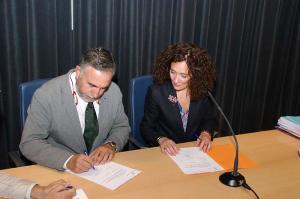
(231, 178)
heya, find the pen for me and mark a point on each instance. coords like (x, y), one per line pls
(69, 187)
(88, 155)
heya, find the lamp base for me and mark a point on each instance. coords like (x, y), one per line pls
(231, 179)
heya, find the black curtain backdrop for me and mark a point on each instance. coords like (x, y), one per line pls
(255, 44)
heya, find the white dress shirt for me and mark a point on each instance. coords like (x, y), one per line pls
(80, 106)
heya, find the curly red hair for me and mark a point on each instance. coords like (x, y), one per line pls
(200, 66)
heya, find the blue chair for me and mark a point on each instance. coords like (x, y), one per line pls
(26, 91)
(139, 87)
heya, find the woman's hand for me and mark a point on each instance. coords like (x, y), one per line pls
(204, 141)
(168, 146)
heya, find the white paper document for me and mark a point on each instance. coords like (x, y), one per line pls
(110, 175)
(191, 160)
(80, 194)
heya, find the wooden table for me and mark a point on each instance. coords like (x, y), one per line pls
(276, 176)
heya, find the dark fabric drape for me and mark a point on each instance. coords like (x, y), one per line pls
(255, 44)
(35, 43)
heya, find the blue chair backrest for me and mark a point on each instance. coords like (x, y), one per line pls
(26, 91)
(139, 87)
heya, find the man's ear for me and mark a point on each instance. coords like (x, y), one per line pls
(77, 71)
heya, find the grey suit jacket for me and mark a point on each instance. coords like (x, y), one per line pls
(52, 131)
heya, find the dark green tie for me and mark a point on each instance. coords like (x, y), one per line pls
(91, 126)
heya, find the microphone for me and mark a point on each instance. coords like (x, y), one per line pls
(231, 178)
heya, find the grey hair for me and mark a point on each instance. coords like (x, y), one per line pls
(98, 58)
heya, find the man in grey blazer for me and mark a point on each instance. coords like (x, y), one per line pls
(54, 130)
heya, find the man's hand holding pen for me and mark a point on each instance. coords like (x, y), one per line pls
(85, 153)
(80, 163)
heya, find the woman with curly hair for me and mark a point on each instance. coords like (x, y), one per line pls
(177, 106)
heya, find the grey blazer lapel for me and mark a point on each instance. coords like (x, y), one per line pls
(70, 108)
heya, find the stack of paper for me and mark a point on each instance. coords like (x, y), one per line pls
(110, 175)
(192, 160)
(290, 124)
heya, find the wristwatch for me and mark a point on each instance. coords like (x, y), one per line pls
(113, 145)
(157, 139)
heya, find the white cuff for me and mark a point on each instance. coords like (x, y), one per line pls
(65, 164)
(28, 192)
